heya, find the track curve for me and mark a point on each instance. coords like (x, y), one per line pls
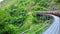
(54, 28)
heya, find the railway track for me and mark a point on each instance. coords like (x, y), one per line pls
(55, 26)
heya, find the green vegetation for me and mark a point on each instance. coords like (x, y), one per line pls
(19, 17)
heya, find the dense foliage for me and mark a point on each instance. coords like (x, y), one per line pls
(19, 17)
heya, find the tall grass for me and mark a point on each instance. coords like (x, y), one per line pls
(19, 17)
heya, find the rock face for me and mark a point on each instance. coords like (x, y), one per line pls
(54, 28)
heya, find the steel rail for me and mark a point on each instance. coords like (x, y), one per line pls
(54, 28)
